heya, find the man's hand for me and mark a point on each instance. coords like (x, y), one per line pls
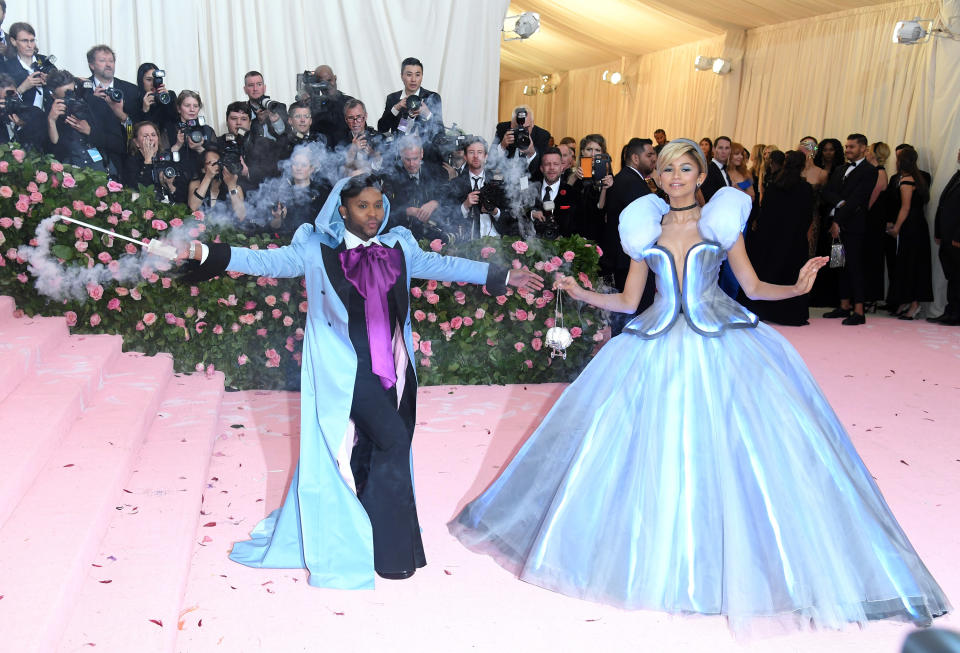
(425, 211)
(81, 126)
(401, 105)
(116, 107)
(537, 215)
(507, 140)
(244, 170)
(473, 198)
(525, 279)
(361, 143)
(834, 230)
(229, 178)
(893, 229)
(279, 213)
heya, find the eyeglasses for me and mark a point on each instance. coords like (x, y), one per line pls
(361, 118)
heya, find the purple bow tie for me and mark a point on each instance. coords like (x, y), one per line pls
(373, 270)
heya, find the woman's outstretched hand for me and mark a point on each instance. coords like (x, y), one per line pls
(568, 285)
(808, 274)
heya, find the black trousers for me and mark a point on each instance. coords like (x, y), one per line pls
(380, 463)
(950, 261)
(851, 277)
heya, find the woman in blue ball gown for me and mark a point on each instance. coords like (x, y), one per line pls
(658, 482)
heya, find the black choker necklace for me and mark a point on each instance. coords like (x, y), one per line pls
(684, 208)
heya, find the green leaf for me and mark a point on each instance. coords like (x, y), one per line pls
(63, 251)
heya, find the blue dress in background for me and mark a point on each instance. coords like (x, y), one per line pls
(656, 483)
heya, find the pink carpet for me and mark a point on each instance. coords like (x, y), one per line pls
(896, 385)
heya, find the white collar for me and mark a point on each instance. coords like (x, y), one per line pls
(406, 94)
(98, 84)
(722, 166)
(351, 240)
(554, 187)
(639, 174)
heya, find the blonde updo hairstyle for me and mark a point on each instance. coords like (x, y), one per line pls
(676, 149)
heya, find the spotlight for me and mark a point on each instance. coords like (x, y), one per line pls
(913, 31)
(525, 26)
(611, 77)
(615, 78)
(703, 63)
(721, 66)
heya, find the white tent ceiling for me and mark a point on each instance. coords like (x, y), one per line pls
(580, 33)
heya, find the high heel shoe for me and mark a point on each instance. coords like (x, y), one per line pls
(916, 315)
(900, 310)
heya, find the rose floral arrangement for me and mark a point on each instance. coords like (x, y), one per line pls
(251, 328)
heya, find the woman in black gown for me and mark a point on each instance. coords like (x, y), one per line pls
(829, 157)
(779, 247)
(912, 278)
(875, 238)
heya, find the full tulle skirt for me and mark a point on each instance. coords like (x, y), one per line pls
(694, 474)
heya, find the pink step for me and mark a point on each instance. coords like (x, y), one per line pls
(7, 307)
(24, 342)
(45, 404)
(146, 556)
(50, 539)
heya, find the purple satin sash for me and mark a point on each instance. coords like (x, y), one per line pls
(373, 270)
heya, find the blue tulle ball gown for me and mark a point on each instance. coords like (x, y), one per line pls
(696, 467)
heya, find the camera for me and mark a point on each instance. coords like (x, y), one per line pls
(231, 151)
(450, 140)
(115, 94)
(264, 103)
(164, 97)
(314, 88)
(192, 129)
(493, 195)
(414, 102)
(73, 105)
(43, 64)
(12, 104)
(521, 137)
(165, 164)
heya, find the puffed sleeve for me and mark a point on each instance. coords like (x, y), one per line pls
(725, 215)
(640, 224)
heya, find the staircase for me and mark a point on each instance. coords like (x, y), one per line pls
(103, 463)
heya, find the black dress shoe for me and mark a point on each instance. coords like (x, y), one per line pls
(837, 312)
(946, 320)
(936, 320)
(396, 575)
(854, 319)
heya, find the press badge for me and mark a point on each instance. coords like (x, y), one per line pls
(403, 126)
(95, 155)
(524, 182)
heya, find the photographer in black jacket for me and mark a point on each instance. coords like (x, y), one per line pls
(25, 66)
(150, 163)
(189, 136)
(298, 132)
(244, 152)
(76, 135)
(519, 137)
(155, 102)
(20, 122)
(112, 98)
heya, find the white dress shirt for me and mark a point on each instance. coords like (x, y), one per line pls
(723, 171)
(486, 222)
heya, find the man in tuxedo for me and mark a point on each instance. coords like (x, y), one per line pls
(116, 115)
(946, 232)
(298, 131)
(848, 194)
(477, 214)
(422, 116)
(417, 192)
(267, 123)
(350, 511)
(328, 107)
(539, 139)
(359, 143)
(550, 204)
(717, 176)
(634, 180)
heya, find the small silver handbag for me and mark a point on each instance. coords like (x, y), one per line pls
(838, 255)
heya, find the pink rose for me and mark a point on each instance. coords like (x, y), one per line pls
(41, 177)
(416, 292)
(528, 363)
(480, 313)
(100, 192)
(242, 359)
(287, 321)
(520, 247)
(445, 326)
(568, 256)
(71, 318)
(516, 264)
(194, 291)
(18, 155)
(130, 248)
(599, 251)
(276, 313)
(518, 346)
(89, 211)
(104, 257)
(550, 322)
(113, 220)
(419, 315)
(285, 297)
(113, 304)
(262, 333)
(556, 261)
(113, 186)
(486, 252)
(269, 300)
(491, 342)
(22, 278)
(6, 223)
(116, 208)
(135, 294)
(456, 322)
(549, 267)
(95, 319)
(198, 327)
(468, 321)
(120, 290)
(140, 326)
(501, 299)
(460, 297)
(584, 279)
(159, 225)
(425, 362)
(6, 191)
(32, 187)
(436, 245)
(303, 307)
(426, 348)
(170, 318)
(69, 181)
(56, 166)
(249, 305)
(431, 317)
(433, 298)
(4, 166)
(36, 197)
(536, 343)
(521, 315)
(431, 285)
(166, 282)
(95, 290)
(23, 205)
(576, 332)
(176, 222)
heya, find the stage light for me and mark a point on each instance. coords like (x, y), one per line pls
(615, 78)
(525, 26)
(611, 77)
(721, 66)
(919, 30)
(703, 63)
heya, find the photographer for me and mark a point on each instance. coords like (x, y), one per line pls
(592, 186)
(189, 135)
(268, 118)
(301, 198)
(416, 190)
(155, 102)
(28, 69)
(521, 138)
(215, 184)
(76, 135)
(245, 152)
(150, 163)
(414, 109)
(319, 91)
(299, 123)
(552, 204)
(20, 122)
(112, 103)
(361, 153)
(482, 212)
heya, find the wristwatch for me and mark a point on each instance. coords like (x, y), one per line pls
(233, 191)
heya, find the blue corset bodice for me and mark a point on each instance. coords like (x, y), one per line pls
(707, 309)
